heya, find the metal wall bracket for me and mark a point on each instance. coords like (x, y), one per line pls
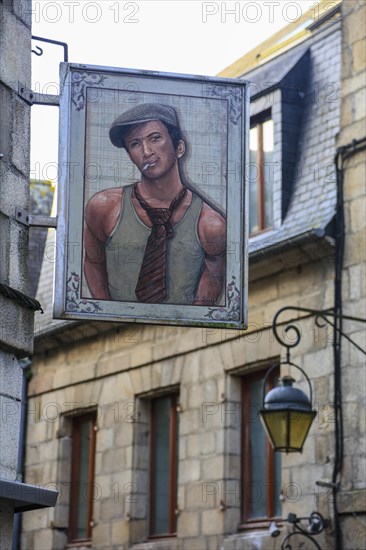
(25, 93)
(30, 220)
(39, 50)
(35, 98)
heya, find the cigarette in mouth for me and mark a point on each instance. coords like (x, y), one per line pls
(148, 165)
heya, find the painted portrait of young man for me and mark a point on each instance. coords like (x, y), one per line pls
(152, 221)
(156, 240)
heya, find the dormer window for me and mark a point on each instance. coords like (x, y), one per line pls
(261, 175)
(280, 103)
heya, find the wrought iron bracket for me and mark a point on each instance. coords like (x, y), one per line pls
(317, 524)
(25, 93)
(39, 50)
(292, 365)
(321, 316)
(30, 220)
(35, 98)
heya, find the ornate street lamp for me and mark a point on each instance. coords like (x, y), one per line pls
(287, 414)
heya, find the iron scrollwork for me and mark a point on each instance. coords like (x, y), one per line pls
(321, 317)
(317, 524)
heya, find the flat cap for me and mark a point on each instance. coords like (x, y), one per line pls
(141, 113)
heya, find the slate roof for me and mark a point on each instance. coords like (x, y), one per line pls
(313, 200)
(271, 74)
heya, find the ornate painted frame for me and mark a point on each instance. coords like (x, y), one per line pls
(214, 114)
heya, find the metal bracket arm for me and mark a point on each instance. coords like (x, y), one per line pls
(39, 51)
(319, 315)
(35, 98)
(30, 220)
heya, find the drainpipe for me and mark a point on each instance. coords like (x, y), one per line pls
(25, 365)
(342, 154)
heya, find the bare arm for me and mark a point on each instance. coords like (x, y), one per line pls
(95, 266)
(212, 235)
(101, 214)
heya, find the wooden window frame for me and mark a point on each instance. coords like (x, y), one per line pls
(257, 122)
(247, 522)
(173, 467)
(75, 475)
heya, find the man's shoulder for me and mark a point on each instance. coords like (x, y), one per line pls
(206, 207)
(210, 215)
(102, 208)
(102, 198)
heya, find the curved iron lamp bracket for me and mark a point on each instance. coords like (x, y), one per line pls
(320, 316)
(285, 545)
(292, 365)
(317, 524)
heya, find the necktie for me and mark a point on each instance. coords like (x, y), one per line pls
(151, 284)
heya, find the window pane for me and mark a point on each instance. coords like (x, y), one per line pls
(257, 436)
(83, 489)
(261, 473)
(268, 172)
(161, 471)
(277, 480)
(268, 136)
(253, 180)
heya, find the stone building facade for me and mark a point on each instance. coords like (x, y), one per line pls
(16, 321)
(353, 130)
(16, 305)
(125, 380)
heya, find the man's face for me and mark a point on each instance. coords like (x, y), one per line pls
(150, 147)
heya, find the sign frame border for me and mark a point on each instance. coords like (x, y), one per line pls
(239, 319)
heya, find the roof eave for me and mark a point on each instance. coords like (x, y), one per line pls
(312, 235)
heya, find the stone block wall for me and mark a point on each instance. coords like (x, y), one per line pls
(118, 373)
(16, 322)
(352, 499)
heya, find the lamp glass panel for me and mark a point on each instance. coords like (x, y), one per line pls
(275, 423)
(278, 422)
(300, 423)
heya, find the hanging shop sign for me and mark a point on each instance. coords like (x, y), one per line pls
(152, 220)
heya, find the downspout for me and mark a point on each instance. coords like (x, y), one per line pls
(25, 365)
(342, 154)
